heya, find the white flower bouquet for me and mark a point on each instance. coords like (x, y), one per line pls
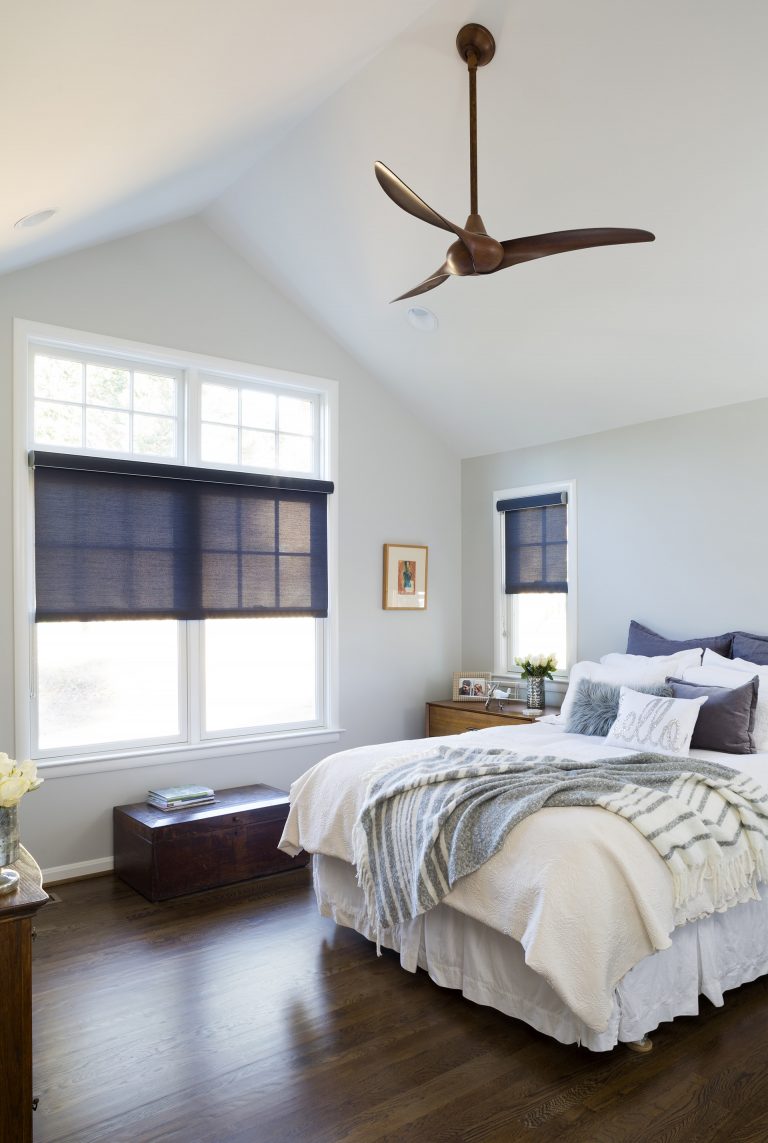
(537, 666)
(16, 780)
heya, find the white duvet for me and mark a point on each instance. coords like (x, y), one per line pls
(581, 890)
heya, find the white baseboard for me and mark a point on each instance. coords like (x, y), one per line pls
(77, 870)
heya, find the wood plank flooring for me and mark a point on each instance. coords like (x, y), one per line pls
(241, 1016)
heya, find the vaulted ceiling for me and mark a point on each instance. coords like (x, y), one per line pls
(267, 117)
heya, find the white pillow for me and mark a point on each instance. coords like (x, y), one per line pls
(717, 671)
(637, 670)
(678, 660)
(657, 724)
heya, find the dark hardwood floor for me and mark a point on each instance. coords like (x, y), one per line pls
(241, 1016)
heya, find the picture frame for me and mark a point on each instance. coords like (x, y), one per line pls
(471, 686)
(405, 577)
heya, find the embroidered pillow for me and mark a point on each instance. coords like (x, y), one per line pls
(596, 705)
(660, 725)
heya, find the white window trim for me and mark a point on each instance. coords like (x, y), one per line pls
(25, 334)
(501, 656)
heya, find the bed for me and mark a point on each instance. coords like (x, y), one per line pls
(571, 927)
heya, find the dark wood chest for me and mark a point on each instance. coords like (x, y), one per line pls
(167, 854)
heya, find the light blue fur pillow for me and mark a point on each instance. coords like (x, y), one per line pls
(596, 705)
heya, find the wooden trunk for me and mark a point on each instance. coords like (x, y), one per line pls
(168, 854)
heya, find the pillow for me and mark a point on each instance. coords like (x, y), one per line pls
(754, 648)
(642, 641)
(662, 725)
(596, 705)
(716, 671)
(651, 664)
(727, 721)
(633, 670)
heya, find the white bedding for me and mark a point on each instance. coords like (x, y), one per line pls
(582, 891)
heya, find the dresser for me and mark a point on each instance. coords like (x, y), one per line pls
(16, 912)
(450, 717)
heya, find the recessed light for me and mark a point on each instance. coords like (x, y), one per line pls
(35, 219)
(421, 318)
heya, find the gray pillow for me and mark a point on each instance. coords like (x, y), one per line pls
(642, 641)
(596, 706)
(751, 647)
(726, 720)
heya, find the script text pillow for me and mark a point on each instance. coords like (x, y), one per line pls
(727, 721)
(659, 725)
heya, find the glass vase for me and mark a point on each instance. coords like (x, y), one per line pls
(535, 695)
(9, 835)
(9, 847)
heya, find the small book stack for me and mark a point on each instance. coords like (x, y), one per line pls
(180, 797)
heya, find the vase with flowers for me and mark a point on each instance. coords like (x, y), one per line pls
(536, 668)
(16, 780)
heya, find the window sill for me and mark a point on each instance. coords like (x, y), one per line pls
(76, 765)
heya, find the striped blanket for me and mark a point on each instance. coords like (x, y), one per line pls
(446, 811)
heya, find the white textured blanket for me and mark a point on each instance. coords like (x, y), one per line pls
(439, 816)
(539, 888)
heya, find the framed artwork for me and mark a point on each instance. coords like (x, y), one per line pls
(471, 686)
(405, 577)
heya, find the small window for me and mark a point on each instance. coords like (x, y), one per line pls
(534, 565)
(99, 406)
(257, 427)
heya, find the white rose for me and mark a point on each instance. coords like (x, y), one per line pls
(12, 790)
(6, 765)
(28, 771)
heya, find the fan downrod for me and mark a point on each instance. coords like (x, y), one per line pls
(474, 39)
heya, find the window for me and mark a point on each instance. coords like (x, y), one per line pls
(534, 570)
(174, 588)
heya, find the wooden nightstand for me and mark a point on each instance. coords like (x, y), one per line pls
(16, 932)
(457, 717)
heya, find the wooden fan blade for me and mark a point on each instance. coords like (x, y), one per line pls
(429, 283)
(561, 241)
(409, 201)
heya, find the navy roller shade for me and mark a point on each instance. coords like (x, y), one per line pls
(124, 539)
(535, 543)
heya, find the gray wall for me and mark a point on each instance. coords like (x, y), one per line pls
(180, 286)
(671, 527)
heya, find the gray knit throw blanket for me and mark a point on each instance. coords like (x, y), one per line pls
(446, 811)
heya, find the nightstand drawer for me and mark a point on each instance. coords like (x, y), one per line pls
(455, 720)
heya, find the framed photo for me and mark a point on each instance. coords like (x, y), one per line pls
(471, 686)
(405, 577)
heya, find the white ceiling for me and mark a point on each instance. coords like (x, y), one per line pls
(269, 117)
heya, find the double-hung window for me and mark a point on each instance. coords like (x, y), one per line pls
(175, 516)
(535, 575)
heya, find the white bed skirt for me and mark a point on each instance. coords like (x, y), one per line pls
(705, 958)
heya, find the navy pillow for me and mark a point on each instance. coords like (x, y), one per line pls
(726, 720)
(751, 647)
(642, 641)
(596, 706)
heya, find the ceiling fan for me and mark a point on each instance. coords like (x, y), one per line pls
(474, 251)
